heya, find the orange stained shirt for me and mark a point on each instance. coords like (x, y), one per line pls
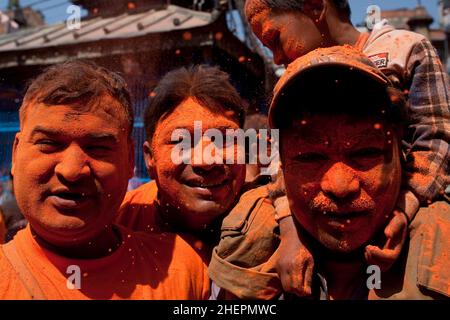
(146, 266)
(2, 227)
(139, 211)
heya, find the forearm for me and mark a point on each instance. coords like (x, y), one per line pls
(427, 139)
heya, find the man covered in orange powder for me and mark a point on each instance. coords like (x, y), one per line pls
(197, 197)
(291, 29)
(342, 162)
(72, 160)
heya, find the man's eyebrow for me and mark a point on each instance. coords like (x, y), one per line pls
(102, 136)
(92, 136)
(191, 128)
(311, 136)
(45, 131)
(370, 133)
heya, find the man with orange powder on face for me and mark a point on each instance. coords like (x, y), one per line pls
(292, 28)
(72, 160)
(196, 197)
(342, 162)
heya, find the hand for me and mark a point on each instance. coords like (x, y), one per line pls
(395, 233)
(295, 263)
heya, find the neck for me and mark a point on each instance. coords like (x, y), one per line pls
(341, 32)
(343, 274)
(172, 219)
(100, 246)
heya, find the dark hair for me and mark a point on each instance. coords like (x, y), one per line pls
(78, 83)
(340, 91)
(208, 85)
(294, 5)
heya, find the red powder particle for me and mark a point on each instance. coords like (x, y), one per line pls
(242, 59)
(377, 126)
(152, 94)
(395, 99)
(218, 36)
(131, 5)
(177, 52)
(187, 36)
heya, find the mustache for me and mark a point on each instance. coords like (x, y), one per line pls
(324, 203)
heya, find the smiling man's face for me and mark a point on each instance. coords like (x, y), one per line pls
(71, 169)
(198, 192)
(342, 176)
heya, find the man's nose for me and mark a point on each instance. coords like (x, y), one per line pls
(340, 181)
(207, 157)
(74, 165)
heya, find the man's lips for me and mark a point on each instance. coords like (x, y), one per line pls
(206, 184)
(206, 188)
(343, 220)
(65, 198)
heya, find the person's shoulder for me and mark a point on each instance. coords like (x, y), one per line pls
(146, 193)
(388, 47)
(138, 210)
(180, 249)
(430, 242)
(436, 213)
(390, 33)
(11, 287)
(253, 208)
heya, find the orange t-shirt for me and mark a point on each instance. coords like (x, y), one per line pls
(2, 227)
(146, 266)
(139, 212)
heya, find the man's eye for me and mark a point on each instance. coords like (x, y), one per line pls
(99, 148)
(45, 142)
(310, 157)
(367, 153)
(47, 145)
(175, 141)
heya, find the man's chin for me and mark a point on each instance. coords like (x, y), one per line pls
(201, 214)
(69, 228)
(341, 245)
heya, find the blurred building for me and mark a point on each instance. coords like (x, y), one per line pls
(27, 17)
(142, 39)
(419, 20)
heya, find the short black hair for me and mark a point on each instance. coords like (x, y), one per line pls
(294, 5)
(78, 83)
(209, 86)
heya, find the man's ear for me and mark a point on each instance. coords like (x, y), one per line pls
(149, 160)
(316, 9)
(324, 10)
(14, 151)
(131, 158)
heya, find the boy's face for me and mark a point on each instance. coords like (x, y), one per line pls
(199, 192)
(288, 34)
(342, 177)
(71, 169)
